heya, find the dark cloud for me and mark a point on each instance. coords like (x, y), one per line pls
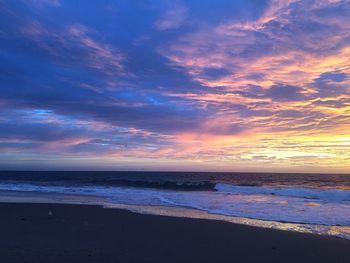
(334, 76)
(20, 146)
(36, 132)
(281, 92)
(258, 113)
(330, 84)
(214, 73)
(291, 114)
(277, 92)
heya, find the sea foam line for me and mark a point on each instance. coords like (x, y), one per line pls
(329, 195)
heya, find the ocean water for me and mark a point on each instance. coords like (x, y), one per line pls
(316, 203)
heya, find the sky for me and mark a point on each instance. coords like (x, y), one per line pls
(196, 85)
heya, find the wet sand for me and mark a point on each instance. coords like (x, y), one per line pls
(78, 233)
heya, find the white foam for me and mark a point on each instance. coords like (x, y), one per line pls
(328, 195)
(286, 205)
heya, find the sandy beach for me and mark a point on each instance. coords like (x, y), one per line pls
(78, 233)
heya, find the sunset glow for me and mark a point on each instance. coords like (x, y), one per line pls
(175, 85)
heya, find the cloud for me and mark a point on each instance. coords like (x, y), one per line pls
(238, 84)
(75, 46)
(284, 93)
(173, 18)
(288, 44)
(46, 131)
(331, 84)
(43, 3)
(334, 76)
(288, 54)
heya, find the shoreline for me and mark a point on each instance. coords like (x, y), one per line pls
(91, 233)
(21, 197)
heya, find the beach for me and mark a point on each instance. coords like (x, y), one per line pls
(86, 233)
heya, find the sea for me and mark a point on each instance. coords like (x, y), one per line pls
(310, 203)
